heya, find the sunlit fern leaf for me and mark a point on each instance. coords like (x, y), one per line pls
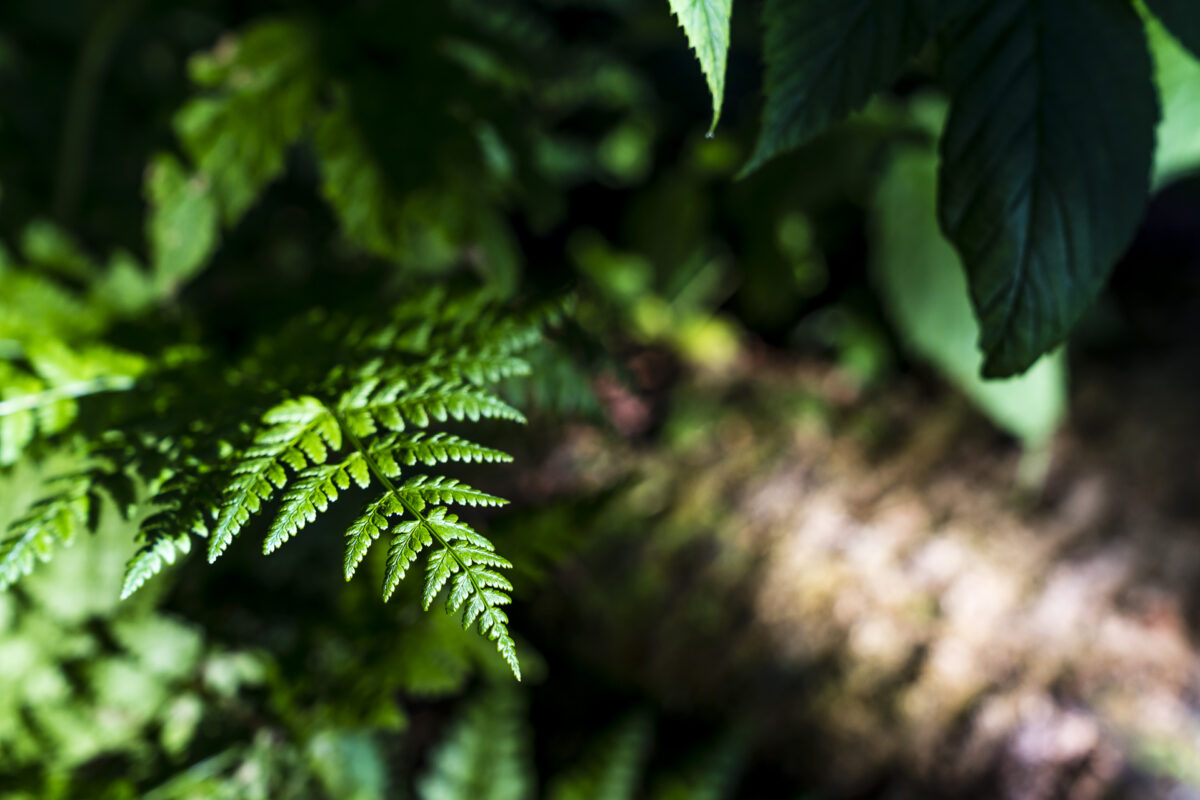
(442, 447)
(312, 492)
(299, 431)
(395, 405)
(151, 559)
(408, 540)
(494, 625)
(467, 551)
(361, 420)
(478, 367)
(478, 590)
(50, 522)
(467, 364)
(439, 490)
(366, 529)
(186, 497)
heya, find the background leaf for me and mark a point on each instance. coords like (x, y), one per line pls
(183, 221)
(1046, 162)
(1182, 18)
(1177, 74)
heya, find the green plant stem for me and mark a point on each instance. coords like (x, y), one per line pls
(410, 508)
(82, 102)
(68, 391)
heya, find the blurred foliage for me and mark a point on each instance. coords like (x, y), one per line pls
(216, 214)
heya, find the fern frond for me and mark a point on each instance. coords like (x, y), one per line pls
(462, 550)
(422, 490)
(185, 494)
(50, 522)
(265, 94)
(395, 404)
(485, 756)
(315, 488)
(612, 770)
(363, 421)
(300, 431)
(442, 447)
(487, 365)
(477, 365)
(408, 540)
(711, 773)
(366, 529)
(478, 590)
(151, 558)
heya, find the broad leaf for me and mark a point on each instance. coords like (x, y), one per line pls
(1046, 163)
(825, 58)
(706, 23)
(920, 281)
(1182, 18)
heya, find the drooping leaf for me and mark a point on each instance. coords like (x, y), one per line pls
(825, 58)
(923, 289)
(1182, 18)
(706, 23)
(1046, 162)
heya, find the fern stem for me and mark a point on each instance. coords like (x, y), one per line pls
(68, 391)
(82, 103)
(410, 508)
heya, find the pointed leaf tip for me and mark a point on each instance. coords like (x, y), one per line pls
(706, 23)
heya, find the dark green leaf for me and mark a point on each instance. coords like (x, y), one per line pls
(825, 58)
(921, 284)
(1046, 163)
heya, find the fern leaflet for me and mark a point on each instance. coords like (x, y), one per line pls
(52, 521)
(300, 431)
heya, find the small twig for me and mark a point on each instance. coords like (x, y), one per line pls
(82, 102)
(68, 391)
